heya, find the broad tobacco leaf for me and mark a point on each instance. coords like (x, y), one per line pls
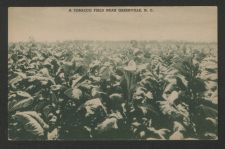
(32, 122)
(21, 104)
(74, 93)
(92, 106)
(53, 135)
(107, 124)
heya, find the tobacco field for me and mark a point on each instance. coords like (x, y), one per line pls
(124, 90)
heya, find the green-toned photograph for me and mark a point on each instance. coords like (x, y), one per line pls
(112, 73)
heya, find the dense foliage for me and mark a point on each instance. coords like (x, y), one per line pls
(112, 90)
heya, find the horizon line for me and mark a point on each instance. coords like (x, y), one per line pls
(92, 40)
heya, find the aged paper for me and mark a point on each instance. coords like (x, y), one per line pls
(115, 73)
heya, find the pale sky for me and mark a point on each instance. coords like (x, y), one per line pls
(195, 23)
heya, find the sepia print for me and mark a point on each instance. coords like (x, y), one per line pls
(112, 73)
